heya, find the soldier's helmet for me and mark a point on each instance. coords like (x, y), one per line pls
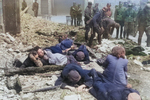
(89, 3)
(74, 3)
(130, 5)
(148, 4)
(120, 2)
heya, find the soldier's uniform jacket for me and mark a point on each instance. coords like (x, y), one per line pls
(147, 15)
(129, 15)
(95, 10)
(79, 11)
(35, 6)
(73, 11)
(88, 13)
(141, 17)
(24, 5)
(119, 13)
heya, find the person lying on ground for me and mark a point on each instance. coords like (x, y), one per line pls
(111, 91)
(47, 57)
(73, 75)
(115, 67)
(31, 61)
(81, 54)
(63, 47)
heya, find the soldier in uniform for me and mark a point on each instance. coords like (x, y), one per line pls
(35, 7)
(95, 9)
(144, 23)
(129, 18)
(118, 17)
(73, 13)
(24, 5)
(79, 15)
(88, 14)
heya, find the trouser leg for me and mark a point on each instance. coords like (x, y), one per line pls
(141, 31)
(91, 38)
(148, 40)
(71, 21)
(87, 29)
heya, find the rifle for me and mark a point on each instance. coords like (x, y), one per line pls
(44, 89)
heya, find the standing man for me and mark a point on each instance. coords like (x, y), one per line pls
(95, 9)
(35, 7)
(24, 5)
(130, 18)
(118, 17)
(88, 14)
(73, 13)
(79, 15)
(144, 23)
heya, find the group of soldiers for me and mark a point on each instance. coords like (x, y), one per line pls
(35, 7)
(76, 14)
(100, 21)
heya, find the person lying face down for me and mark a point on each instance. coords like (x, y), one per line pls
(110, 91)
(47, 57)
(72, 75)
(82, 54)
(63, 47)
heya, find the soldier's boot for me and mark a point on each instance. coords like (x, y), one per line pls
(71, 22)
(121, 32)
(127, 35)
(117, 36)
(37, 62)
(75, 23)
(139, 40)
(148, 40)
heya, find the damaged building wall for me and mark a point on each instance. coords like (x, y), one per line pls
(11, 16)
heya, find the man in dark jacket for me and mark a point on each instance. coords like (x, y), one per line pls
(109, 91)
(82, 54)
(73, 74)
(95, 25)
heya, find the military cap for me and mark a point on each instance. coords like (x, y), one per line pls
(89, 3)
(130, 5)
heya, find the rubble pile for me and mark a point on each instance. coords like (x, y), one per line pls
(36, 31)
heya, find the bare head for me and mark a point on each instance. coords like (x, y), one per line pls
(40, 52)
(118, 51)
(96, 5)
(108, 5)
(74, 76)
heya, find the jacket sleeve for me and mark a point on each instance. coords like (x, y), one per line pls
(105, 64)
(86, 14)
